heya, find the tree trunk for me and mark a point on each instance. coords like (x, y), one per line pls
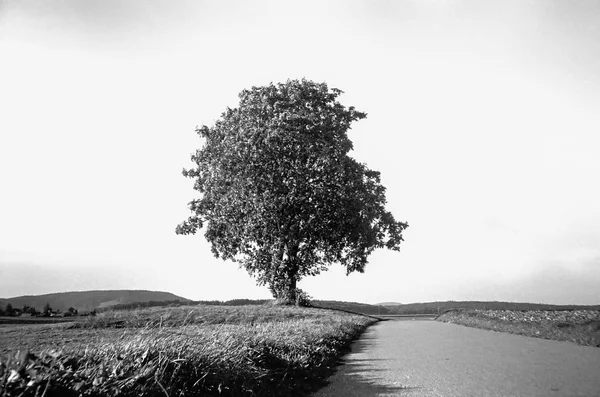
(284, 276)
(290, 290)
(274, 276)
(283, 285)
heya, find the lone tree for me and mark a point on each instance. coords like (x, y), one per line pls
(279, 192)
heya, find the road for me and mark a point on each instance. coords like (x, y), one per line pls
(428, 358)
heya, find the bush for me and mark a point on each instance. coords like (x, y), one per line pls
(303, 299)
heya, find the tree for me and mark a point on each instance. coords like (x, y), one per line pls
(47, 310)
(9, 310)
(33, 311)
(30, 310)
(279, 192)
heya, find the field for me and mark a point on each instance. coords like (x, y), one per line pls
(259, 350)
(578, 326)
(34, 320)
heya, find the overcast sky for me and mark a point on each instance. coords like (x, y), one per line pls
(483, 118)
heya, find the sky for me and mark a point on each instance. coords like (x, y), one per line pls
(482, 119)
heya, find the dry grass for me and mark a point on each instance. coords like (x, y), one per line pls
(233, 351)
(201, 314)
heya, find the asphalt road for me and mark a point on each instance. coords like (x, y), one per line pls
(429, 358)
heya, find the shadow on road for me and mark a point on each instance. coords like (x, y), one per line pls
(360, 380)
(358, 376)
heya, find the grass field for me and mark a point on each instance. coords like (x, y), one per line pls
(260, 350)
(34, 320)
(578, 326)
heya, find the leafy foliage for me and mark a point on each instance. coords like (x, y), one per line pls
(279, 192)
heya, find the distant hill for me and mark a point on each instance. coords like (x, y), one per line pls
(128, 299)
(89, 300)
(355, 307)
(440, 307)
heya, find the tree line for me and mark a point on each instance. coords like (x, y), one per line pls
(47, 311)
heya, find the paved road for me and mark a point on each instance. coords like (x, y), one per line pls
(428, 358)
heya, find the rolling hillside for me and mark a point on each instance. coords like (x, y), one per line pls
(89, 300)
(122, 299)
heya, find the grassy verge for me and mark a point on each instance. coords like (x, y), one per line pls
(200, 350)
(581, 327)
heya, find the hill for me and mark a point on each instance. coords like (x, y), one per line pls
(89, 300)
(354, 307)
(440, 307)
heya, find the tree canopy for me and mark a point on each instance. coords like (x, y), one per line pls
(278, 191)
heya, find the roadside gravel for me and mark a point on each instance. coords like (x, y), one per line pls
(578, 326)
(539, 316)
